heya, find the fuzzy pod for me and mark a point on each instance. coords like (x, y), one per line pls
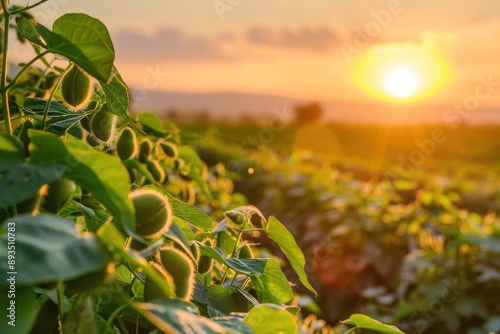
(236, 217)
(93, 281)
(103, 125)
(153, 214)
(23, 135)
(179, 164)
(168, 148)
(76, 88)
(151, 288)
(195, 250)
(126, 145)
(59, 193)
(205, 263)
(155, 169)
(181, 268)
(145, 150)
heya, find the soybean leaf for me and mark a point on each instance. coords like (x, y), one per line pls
(285, 240)
(189, 154)
(135, 164)
(177, 316)
(248, 297)
(26, 309)
(151, 124)
(272, 286)
(64, 124)
(234, 325)
(193, 174)
(28, 31)
(187, 212)
(36, 106)
(23, 181)
(251, 267)
(11, 152)
(83, 40)
(117, 98)
(100, 173)
(220, 299)
(271, 319)
(49, 249)
(365, 322)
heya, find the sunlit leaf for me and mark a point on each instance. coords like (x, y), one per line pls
(278, 232)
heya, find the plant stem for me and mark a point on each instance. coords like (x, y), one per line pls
(51, 96)
(253, 230)
(352, 330)
(60, 294)
(28, 7)
(248, 280)
(114, 314)
(4, 92)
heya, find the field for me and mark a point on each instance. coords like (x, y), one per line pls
(115, 222)
(416, 246)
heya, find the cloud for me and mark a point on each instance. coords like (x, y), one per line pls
(174, 44)
(304, 38)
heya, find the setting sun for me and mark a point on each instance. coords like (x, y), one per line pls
(401, 73)
(402, 82)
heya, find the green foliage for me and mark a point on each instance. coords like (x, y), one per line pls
(417, 252)
(118, 237)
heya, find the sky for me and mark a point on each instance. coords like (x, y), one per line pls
(343, 51)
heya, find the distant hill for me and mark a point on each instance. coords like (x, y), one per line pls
(231, 106)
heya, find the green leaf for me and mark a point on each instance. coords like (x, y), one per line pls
(189, 154)
(220, 299)
(177, 316)
(187, 212)
(285, 240)
(28, 31)
(100, 173)
(365, 322)
(151, 124)
(272, 286)
(188, 135)
(250, 267)
(234, 325)
(23, 181)
(49, 249)
(26, 310)
(135, 164)
(271, 319)
(63, 125)
(202, 184)
(117, 98)
(36, 106)
(251, 299)
(11, 152)
(83, 40)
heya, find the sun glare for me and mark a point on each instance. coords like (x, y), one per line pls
(401, 82)
(401, 73)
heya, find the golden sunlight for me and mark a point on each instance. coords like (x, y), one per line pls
(401, 73)
(402, 82)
